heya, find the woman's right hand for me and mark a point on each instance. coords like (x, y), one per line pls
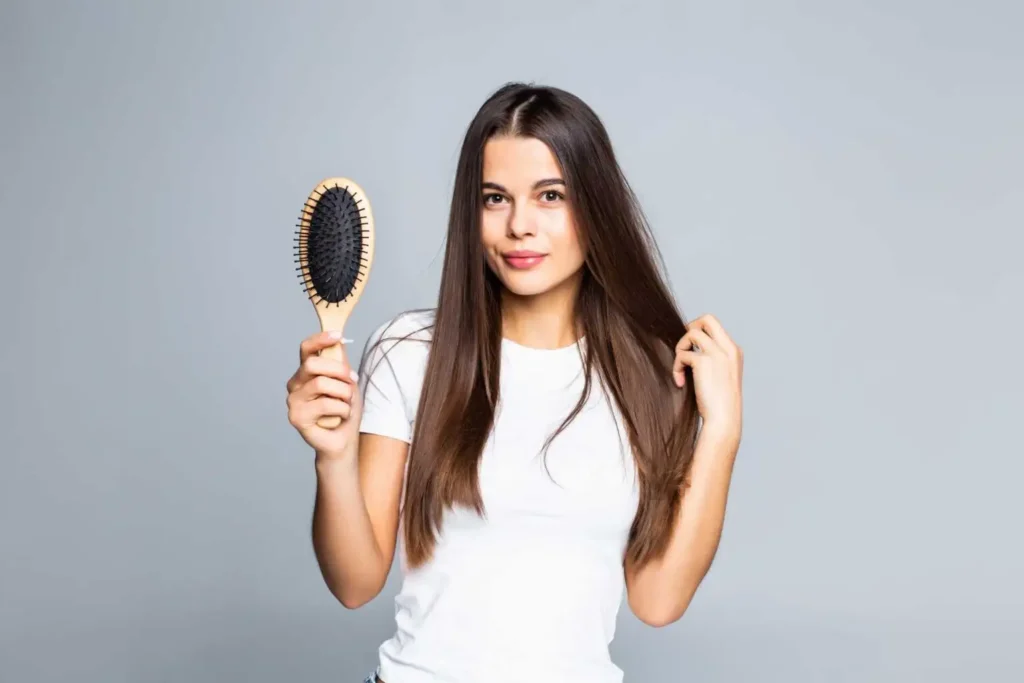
(325, 386)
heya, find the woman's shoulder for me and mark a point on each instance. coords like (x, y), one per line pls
(415, 325)
(391, 372)
(403, 338)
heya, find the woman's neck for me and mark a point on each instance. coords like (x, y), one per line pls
(543, 321)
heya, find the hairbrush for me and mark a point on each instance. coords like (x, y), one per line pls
(334, 252)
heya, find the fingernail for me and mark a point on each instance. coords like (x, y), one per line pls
(354, 375)
(334, 334)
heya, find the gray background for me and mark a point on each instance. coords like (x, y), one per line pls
(841, 183)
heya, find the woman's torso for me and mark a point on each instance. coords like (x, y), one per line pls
(537, 581)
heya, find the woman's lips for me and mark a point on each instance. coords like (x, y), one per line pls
(523, 260)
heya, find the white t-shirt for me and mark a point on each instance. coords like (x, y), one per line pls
(531, 590)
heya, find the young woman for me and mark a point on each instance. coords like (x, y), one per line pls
(550, 435)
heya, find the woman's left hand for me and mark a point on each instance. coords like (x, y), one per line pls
(717, 363)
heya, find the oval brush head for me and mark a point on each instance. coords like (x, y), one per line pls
(334, 252)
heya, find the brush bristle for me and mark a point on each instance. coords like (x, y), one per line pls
(329, 245)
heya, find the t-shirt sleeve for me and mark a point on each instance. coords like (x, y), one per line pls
(384, 400)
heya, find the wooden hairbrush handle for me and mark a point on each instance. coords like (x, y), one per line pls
(336, 352)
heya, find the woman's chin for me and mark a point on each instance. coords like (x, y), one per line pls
(529, 284)
(524, 283)
(525, 290)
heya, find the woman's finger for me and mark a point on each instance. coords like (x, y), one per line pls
(327, 406)
(314, 366)
(714, 329)
(315, 343)
(696, 339)
(683, 359)
(323, 385)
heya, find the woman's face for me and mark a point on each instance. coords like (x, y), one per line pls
(528, 231)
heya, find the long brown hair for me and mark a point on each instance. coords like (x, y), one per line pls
(624, 310)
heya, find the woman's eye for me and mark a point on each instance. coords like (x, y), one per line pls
(492, 198)
(552, 195)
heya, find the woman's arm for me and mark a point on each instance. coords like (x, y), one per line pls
(660, 592)
(355, 517)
